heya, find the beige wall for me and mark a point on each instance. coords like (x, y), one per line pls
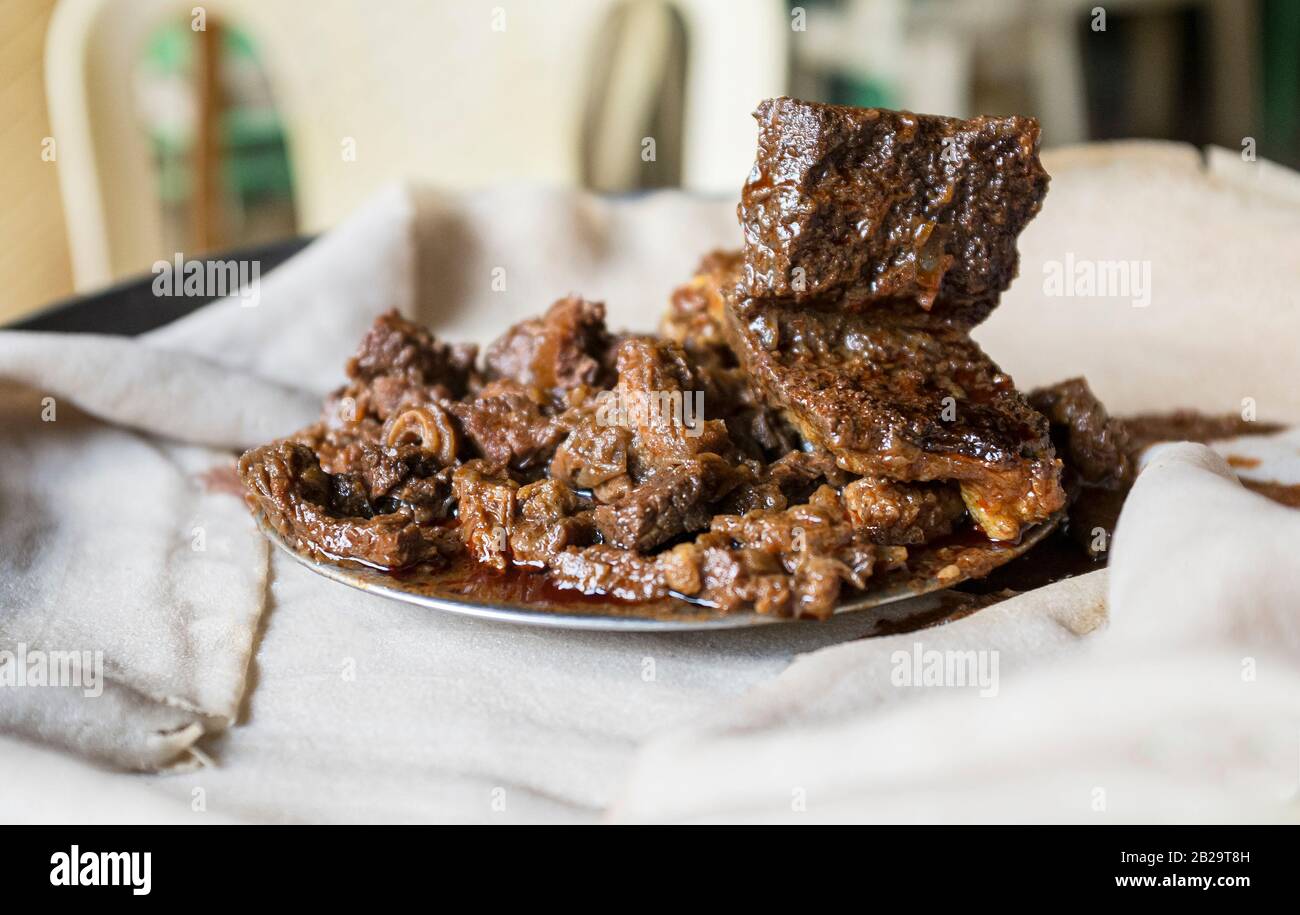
(34, 266)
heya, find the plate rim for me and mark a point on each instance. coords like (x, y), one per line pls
(594, 622)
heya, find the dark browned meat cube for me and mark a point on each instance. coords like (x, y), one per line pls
(862, 206)
(557, 351)
(676, 501)
(507, 425)
(1097, 445)
(407, 352)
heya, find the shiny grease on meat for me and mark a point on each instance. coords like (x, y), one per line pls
(778, 442)
(639, 509)
(907, 402)
(879, 208)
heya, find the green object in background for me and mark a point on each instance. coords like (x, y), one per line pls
(1280, 75)
(864, 93)
(844, 87)
(255, 160)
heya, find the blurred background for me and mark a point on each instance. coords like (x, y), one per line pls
(135, 129)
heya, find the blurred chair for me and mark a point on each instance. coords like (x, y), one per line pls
(35, 266)
(455, 94)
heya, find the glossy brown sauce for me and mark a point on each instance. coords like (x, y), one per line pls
(993, 572)
(1148, 429)
(463, 578)
(466, 578)
(1287, 494)
(1057, 558)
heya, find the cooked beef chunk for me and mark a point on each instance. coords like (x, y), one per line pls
(662, 401)
(502, 522)
(815, 544)
(733, 578)
(694, 318)
(608, 570)
(381, 468)
(549, 521)
(790, 479)
(428, 498)
(398, 365)
(888, 207)
(715, 572)
(400, 472)
(761, 432)
(594, 456)
(1096, 445)
(507, 426)
(406, 352)
(485, 500)
(676, 501)
(787, 562)
(330, 514)
(695, 321)
(820, 525)
(796, 471)
(565, 347)
(906, 402)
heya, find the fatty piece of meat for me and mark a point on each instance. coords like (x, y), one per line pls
(677, 501)
(888, 207)
(549, 519)
(905, 401)
(486, 498)
(594, 455)
(328, 513)
(565, 347)
(890, 512)
(695, 308)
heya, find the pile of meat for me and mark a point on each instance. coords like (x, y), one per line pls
(813, 412)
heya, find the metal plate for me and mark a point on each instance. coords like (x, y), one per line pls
(619, 616)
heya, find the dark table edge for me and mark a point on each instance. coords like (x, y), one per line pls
(130, 307)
